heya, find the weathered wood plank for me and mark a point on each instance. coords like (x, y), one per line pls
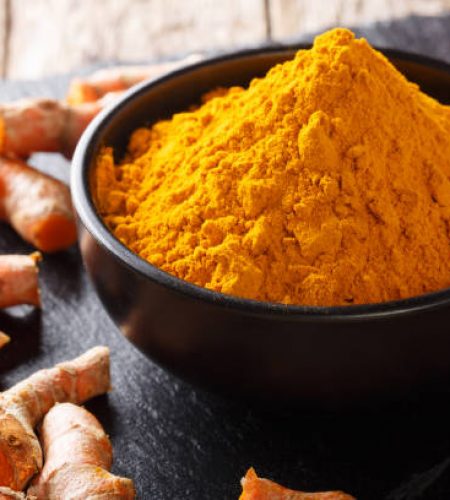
(54, 36)
(3, 26)
(290, 18)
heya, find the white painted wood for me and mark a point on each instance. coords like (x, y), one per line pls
(2, 37)
(291, 18)
(55, 36)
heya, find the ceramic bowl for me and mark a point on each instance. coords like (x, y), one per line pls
(309, 356)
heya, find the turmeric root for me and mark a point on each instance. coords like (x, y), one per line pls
(37, 206)
(255, 488)
(19, 280)
(81, 473)
(119, 78)
(4, 339)
(8, 494)
(25, 404)
(31, 125)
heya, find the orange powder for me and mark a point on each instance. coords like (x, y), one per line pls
(324, 183)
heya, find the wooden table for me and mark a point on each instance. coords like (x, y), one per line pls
(44, 37)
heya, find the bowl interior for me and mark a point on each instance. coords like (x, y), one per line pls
(159, 99)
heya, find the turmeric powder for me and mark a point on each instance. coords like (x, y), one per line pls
(324, 183)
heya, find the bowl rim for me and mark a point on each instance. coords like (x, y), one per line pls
(87, 213)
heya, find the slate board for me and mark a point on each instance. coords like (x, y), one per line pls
(178, 442)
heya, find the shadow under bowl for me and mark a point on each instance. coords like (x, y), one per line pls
(321, 357)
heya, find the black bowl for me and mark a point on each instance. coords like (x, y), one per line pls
(319, 356)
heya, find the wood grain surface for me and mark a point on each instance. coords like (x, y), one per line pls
(181, 443)
(53, 36)
(3, 35)
(289, 18)
(44, 37)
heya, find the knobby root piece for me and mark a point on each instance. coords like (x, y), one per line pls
(8, 494)
(78, 456)
(119, 78)
(25, 404)
(4, 339)
(19, 280)
(37, 206)
(31, 125)
(256, 488)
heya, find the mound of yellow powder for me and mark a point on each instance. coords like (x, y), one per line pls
(326, 182)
